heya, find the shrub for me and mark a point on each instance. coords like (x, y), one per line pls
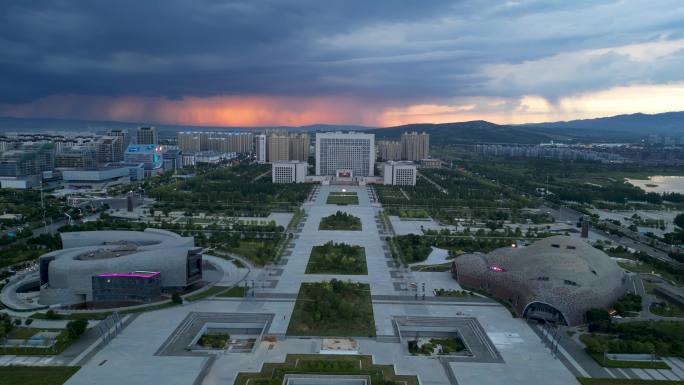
(76, 328)
(627, 304)
(597, 315)
(176, 298)
(50, 314)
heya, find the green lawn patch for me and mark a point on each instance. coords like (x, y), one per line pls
(214, 341)
(74, 316)
(259, 252)
(274, 373)
(149, 308)
(21, 333)
(334, 308)
(103, 314)
(342, 198)
(666, 308)
(296, 218)
(36, 375)
(413, 214)
(412, 248)
(432, 268)
(597, 344)
(637, 337)
(214, 290)
(643, 263)
(337, 258)
(237, 291)
(608, 363)
(63, 340)
(340, 221)
(238, 263)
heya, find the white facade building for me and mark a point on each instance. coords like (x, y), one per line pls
(261, 148)
(288, 172)
(399, 174)
(345, 151)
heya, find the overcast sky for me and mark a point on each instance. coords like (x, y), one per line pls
(381, 62)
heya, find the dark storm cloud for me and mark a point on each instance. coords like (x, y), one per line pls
(409, 50)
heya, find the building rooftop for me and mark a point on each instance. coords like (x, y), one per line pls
(135, 274)
(143, 148)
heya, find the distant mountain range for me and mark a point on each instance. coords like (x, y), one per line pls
(630, 128)
(663, 123)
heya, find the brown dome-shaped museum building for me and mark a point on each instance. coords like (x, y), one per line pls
(556, 279)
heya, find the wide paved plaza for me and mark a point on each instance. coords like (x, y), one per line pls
(522, 358)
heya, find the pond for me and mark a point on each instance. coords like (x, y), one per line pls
(660, 184)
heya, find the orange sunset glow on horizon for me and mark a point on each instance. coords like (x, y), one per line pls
(260, 111)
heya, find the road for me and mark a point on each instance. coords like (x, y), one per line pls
(567, 214)
(647, 299)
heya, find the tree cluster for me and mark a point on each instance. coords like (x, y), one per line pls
(230, 190)
(339, 258)
(334, 305)
(340, 221)
(29, 250)
(664, 338)
(628, 304)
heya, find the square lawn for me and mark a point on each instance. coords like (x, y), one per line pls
(337, 258)
(342, 198)
(334, 308)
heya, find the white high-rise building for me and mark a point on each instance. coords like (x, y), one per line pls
(216, 141)
(288, 171)
(351, 151)
(399, 174)
(261, 148)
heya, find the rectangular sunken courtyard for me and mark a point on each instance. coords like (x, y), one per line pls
(334, 308)
(451, 338)
(318, 369)
(216, 333)
(337, 258)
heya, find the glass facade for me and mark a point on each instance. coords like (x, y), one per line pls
(126, 287)
(350, 151)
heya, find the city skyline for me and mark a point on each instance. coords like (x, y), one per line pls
(298, 63)
(300, 192)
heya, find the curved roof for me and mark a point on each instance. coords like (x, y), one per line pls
(149, 237)
(566, 273)
(90, 253)
(558, 258)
